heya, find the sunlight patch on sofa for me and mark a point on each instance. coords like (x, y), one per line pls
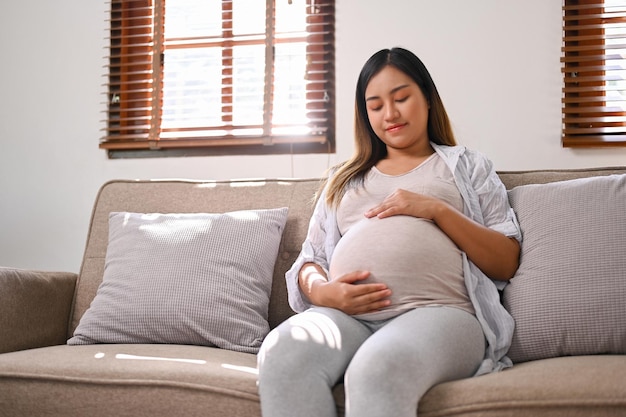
(207, 185)
(252, 183)
(124, 356)
(246, 369)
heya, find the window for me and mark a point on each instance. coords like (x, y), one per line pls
(594, 73)
(216, 77)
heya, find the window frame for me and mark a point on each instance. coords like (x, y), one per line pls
(135, 81)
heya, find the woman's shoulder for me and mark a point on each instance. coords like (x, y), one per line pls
(464, 155)
(470, 165)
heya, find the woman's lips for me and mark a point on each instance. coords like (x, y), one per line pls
(394, 128)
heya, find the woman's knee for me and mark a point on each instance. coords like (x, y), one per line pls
(374, 362)
(283, 352)
(314, 341)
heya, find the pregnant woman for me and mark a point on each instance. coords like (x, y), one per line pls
(397, 282)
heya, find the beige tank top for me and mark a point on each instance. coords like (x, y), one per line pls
(417, 261)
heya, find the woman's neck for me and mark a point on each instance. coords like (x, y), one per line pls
(398, 162)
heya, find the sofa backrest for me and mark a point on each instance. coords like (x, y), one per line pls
(180, 196)
(513, 179)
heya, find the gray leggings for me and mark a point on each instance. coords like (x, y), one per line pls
(387, 366)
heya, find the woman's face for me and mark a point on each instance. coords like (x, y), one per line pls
(397, 110)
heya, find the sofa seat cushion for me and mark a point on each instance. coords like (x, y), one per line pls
(129, 380)
(149, 380)
(574, 386)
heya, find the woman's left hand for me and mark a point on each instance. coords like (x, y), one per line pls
(403, 202)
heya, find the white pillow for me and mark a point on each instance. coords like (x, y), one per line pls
(568, 296)
(192, 278)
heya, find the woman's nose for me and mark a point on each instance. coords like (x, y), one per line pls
(391, 112)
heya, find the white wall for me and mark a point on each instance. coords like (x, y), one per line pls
(496, 64)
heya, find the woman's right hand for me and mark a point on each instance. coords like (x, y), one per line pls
(344, 293)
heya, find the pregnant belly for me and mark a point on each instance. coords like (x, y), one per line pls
(413, 257)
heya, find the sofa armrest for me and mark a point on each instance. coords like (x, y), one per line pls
(34, 308)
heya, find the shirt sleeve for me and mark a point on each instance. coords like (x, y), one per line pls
(493, 198)
(313, 250)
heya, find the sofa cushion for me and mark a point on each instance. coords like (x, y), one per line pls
(173, 380)
(135, 380)
(190, 278)
(567, 297)
(578, 386)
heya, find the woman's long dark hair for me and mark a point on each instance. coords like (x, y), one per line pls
(369, 149)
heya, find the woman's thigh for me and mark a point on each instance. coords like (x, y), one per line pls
(410, 354)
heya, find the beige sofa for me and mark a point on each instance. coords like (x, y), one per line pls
(40, 375)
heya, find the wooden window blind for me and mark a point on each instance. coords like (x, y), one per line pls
(220, 77)
(594, 73)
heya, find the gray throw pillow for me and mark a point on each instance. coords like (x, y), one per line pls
(191, 278)
(568, 296)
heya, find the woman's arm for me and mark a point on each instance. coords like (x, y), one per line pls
(494, 253)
